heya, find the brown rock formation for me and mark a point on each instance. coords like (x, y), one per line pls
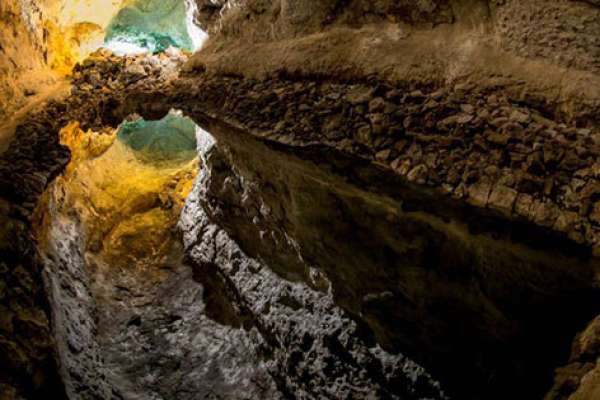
(426, 175)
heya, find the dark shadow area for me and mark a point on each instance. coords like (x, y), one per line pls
(484, 303)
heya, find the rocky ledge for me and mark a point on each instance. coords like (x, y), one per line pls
(468, 142)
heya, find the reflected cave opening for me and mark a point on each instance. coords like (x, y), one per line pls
(126, 307)
(112, 253)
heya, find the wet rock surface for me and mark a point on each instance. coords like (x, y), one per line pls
(472, 143)
(406, 279)
(378, 212)
(314, 348)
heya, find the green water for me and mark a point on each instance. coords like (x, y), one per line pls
(173, 137)
(151, 24)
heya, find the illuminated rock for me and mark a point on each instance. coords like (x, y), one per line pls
(75, 29)
(154, 25)
(172, 137)
(117, 190)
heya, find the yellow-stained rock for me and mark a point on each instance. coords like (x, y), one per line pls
(127, 204)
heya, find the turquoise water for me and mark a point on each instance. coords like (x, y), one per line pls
(153, 25)
(173, 137)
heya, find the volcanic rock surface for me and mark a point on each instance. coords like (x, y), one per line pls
(395, 199)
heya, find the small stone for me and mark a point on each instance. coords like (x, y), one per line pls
(431, 104)
(416, 95)
(395, 164)
(483, 113)
(519, 117)
(499, 122)
(363, 135)
(383, 155)
(523, 205)
(497, 138)
(376, 105)
(544, 213)
(464, 118)
(467, 108)
(566, 221)
(479, 194)
(418, 174)
(359, 94)
(502, 199)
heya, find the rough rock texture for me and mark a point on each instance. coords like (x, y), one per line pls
(74, 312)
(27, 366)
(32, 161)
(469, 241)
(564, 32)
(470, 142)
(139, 328)
(276, 19)
(582, 374)
(315, 349)
(22, 65)
(408, 267)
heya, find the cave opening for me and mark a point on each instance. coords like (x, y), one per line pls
(154, 26)
(125, 27)
(128, 185)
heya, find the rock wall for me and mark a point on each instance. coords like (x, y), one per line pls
(397, 259)
(277, 19)
(22, 52)
(313, 348)
(33, 160)
(27, 364)
(493, 89)
(28, 367)
(74, 311)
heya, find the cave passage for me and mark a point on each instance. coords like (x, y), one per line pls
(114, 258)
(327, 199)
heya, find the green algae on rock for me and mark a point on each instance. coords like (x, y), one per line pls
(173, 137)
(154, 25)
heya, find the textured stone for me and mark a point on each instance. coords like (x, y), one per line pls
(502, 199)
(479, 193)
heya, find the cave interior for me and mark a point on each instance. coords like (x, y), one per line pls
(299, 199)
